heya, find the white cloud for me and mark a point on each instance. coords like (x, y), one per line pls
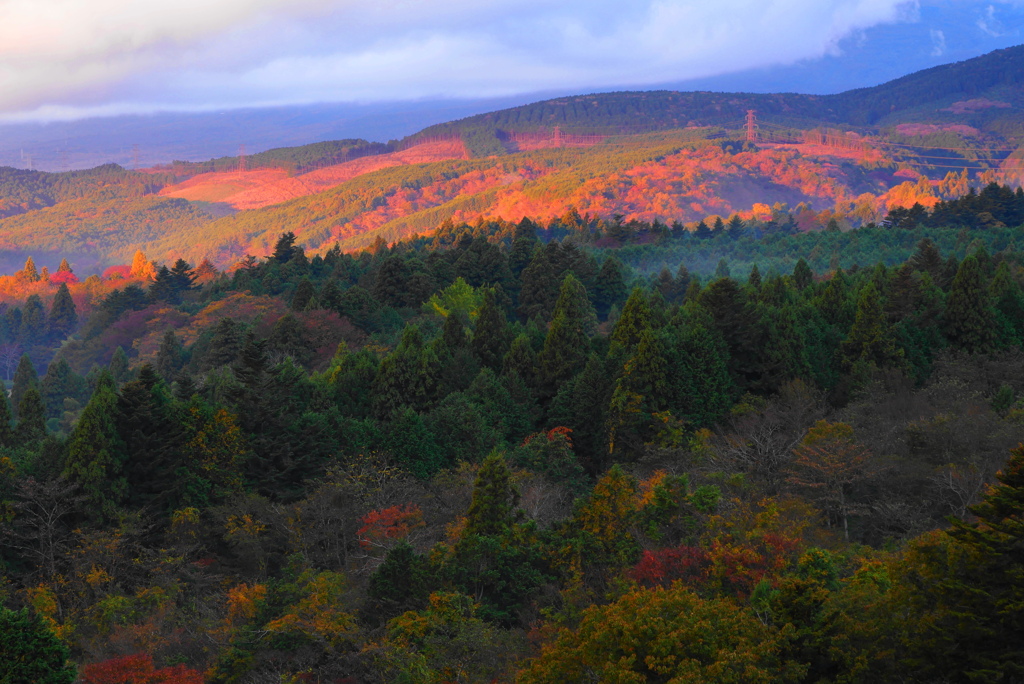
(938, 42)
(98, 53)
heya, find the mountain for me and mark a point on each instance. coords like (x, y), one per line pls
(659, 155)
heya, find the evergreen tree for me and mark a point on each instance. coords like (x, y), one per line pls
(635, 318)
(722, 270)
(304, 294)
(29, 272)
(701, 388)
(490, 336)
(31, 418)
(524, 241)
(95, 459)
(63, 315)
(7, 437)
(150, 439)
(870, 339)
(520, 361)
(492, 510)
(30, 653)
(61, 383)
(405, 377)
(330, 295)
(539, 286)
(285, 249)
(610, 288)
(969, 321)
(170, 357)
(118, 368)
(802, 275)
(64, 267)
(33, 320)
(390, 284)
(401, 583)
(754, 279)
(25, 378)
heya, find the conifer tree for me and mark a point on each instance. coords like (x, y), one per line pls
(539, 286)
(118, 368)
(520, 361)
(610, 288)
(96, 457)
(170, 356)
(7, 438)
(30, 653)
(722, 270)
(60, 383)
(490, 336)
(64, 267)
(870, 339)
(33, 320)
(492, 510)
(524, 241)
(635, 318)
(142, 268)
(802, 275)
(150, 438)
(29, 272)
(63, 315)
(25, 377)
(31, 418)
(304, 294)
(969, 322)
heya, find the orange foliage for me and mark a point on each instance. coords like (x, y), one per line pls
(389, 524)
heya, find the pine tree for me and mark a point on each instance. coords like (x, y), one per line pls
(969, 321)
(870, 339)
(33, 320)
(150, 437)
(31, 418)
(490, 336)
(802, 275)
(520, 361)
(284, 248)
(30, 653)
(492, 510)
(722, 270)
(610, 288)
(25, 377)
(96, 456)
(7, 438)
(304, 294)
(754, 279)
(59, 384)
(523, 244)
(29, 272)
(170, 357)
(64, 267)
(539, 286)
(390, 284)
(635, 318)
(63, 314)
(118, 368)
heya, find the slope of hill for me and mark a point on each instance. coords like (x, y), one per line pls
(656, 155)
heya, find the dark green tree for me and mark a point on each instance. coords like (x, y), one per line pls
(635, 318)
(63, 315)
(25, 378)
(304, 294)
(490, 335)
(119, 370)
(33, 320)
(96, 457)
(969, 321)
(30, 653)
(31, 418)
(870, 340)
(610, 288)
(60, 383)
(803, 276)
(170, 358)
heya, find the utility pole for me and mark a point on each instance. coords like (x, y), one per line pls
(241, 157)
(751, 125)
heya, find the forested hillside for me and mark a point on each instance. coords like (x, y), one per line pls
(505, 452)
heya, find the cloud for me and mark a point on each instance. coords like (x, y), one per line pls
(938, 42)
(63, 54)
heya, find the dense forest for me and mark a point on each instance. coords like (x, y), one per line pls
(534, 452)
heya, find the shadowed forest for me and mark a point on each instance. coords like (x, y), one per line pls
(526, 452)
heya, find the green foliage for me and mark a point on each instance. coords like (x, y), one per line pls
(30, 652)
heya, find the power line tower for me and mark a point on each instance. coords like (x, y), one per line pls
(751, 125)
(241, 157)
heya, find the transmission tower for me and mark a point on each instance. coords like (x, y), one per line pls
(241, 157)
(751, 125)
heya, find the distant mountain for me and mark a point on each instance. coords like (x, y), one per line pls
(662, 155)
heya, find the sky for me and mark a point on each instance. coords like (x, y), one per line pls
(67, 59)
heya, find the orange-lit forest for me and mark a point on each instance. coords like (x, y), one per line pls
(528, 452)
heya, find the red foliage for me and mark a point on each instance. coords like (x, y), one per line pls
(116, 273)
(662, 567)
(138, 669)
(64, 277)
(389, 524)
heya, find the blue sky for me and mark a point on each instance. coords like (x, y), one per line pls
(63, 59)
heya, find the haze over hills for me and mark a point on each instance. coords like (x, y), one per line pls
(662, 155)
